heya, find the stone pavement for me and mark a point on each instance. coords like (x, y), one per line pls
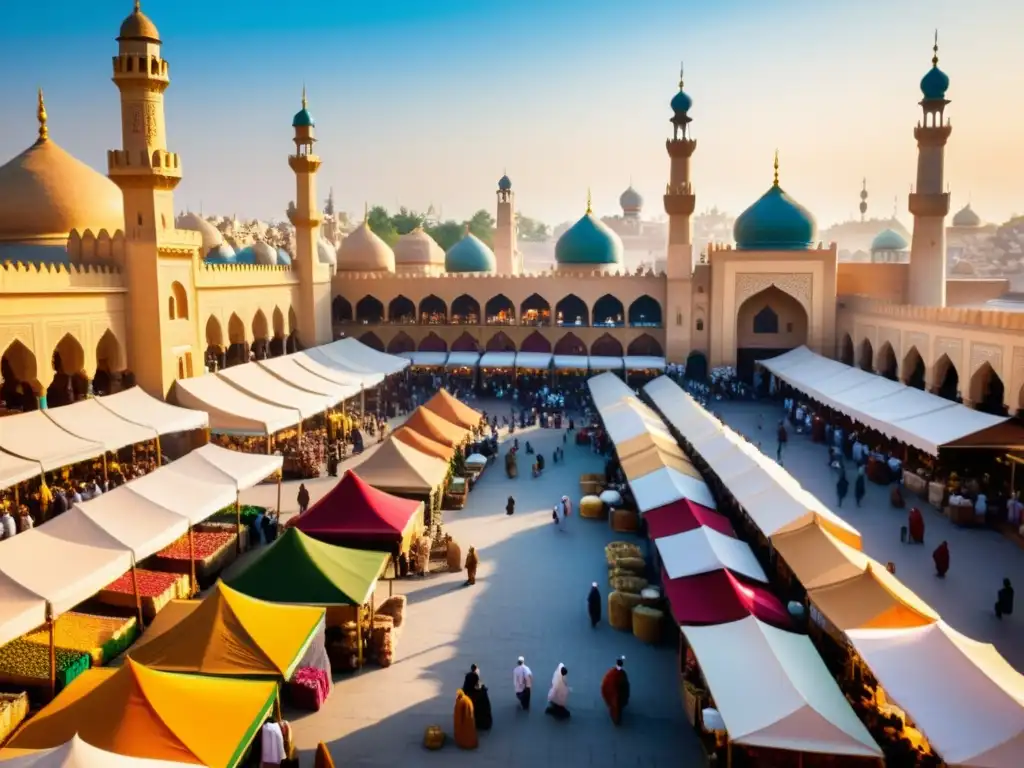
(979, 559)
(529, 599)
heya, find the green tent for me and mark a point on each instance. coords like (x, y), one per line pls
(300, 569)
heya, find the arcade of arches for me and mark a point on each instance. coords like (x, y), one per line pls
(767, 324)
(258, 339)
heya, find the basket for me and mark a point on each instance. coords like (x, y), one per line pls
(592, 508)
(625, 521)
(395, 608)
(434, 737)
(618, 549)
(632, 564)
(620, 610)
(632, 584)
(647, 624)
(454, 557)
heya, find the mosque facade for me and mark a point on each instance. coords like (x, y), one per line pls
(102, 282)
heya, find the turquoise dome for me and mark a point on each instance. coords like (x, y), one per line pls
(284, 259)
(589, 241)
(303, 119)
(245, 256)
(470, 254)
(221, 254)
(681, 102)
(935, 84)
(505, 183)
(888, 240)
(775, 222)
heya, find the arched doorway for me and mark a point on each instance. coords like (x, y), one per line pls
(293, 343)
(260, 336)
(696, 367)
(278, 341)
(886, 365)
(402, 311)
(465, 310)
(645, 345)
(500, 342)
(608, 312)
(433, 311)
(846, 350)
(913, 371)
(372, 340)
(866, 359)
(536, 342)
(466, 343)
(433, 343)
(768, 324)
(570, 344)
(535, 311)
(645, 312)
(369, 309)
(606, 346)
(341, 310)
(987, 391)
(216, 353)
(401, 343)
(945, 379)
(20, 378)
(500, 310)
(108, 362)
(572, 310)
(238, 344)
(69, 380)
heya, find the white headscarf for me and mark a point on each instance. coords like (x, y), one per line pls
(559, 693)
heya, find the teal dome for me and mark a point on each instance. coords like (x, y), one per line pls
(303, 119)
(505, 183)
(284, 259)
(470, 254)
(775, 222)
(888, 240)
(221, 254)
(681, 102)
(935, 84)
(589, 241)
(245, 256)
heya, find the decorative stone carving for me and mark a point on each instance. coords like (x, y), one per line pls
(917, 340)
(951, 348)
(1018, 364)
(986, 353)
(890, 336)
(799, 286)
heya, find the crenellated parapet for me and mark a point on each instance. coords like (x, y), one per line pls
(22, 278)
(159, 168)
(960, 316)
(342, 276)
(101, 247)
(245, 275)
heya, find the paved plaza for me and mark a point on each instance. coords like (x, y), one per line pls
(529, 599)
(979, 559)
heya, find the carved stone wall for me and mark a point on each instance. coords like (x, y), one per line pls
(799, 286)
(986, 353)
(951, 348)
(917, 340)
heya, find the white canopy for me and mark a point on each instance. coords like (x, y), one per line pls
(435, 359)
(21, 610)
(136, 406)
(572, 362)
(774, 691)
(315, 361)
(14, 470)
(65, 560)
(192, 487)
(462, 359)
(143, 526)
(605, 363)
(691, 420)
(607, 389)
(498, 360)
(966, 698)
(643, 363)
(288, 369)
(663, 486)
(629, 418)
(914, 417)
(535, 360)
(704, 550)
(263, 385)
(89, 420)
(231, 410)
(34, 437)
(245, 469)
(79, 754)
(365, 357)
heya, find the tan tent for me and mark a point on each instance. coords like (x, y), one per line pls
(454, 410)
(874, 599)
(399, 468)
(817, 558)
(429, 424)
(645, 442)
(424, 444)
(640, 464)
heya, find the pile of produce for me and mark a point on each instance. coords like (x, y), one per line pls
(308, 456)
(620, 610)
(203, 544)
(308, 688)
(227, 515)
(618, 549)
(382, 644)
(395, 608)
(635, 565)
(100, 637)
(13, 710)
(25, 663)
(343, 647)
(151, 584)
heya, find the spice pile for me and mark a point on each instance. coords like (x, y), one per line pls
(28, 664)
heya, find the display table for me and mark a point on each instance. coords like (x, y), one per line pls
(963, 516)
(101, 638)
(213, 553)
(27, 665)
(156, 589)
(936, 493)
(878, 471)
(13, 710)
(915, 483)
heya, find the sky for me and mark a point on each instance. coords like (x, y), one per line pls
(420, 103)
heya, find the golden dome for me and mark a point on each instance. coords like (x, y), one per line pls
(364, 251)
(138, 27)
(46, 192)
(418, 249)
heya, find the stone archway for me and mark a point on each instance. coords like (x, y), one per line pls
(70, 382)
(645, 345)
(109, 360)
(20, 377)
(768, 323)
(885, 363)
(402, 342)
(987, 391)
(946, 379)
(912, 372)
(846, 355)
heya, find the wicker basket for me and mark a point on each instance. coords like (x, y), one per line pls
(620, 610)
(618, 549)
(395, 608)
(592, 508)
(632, 584)
(625, 521)
(632, 564)
(454, 557)
(434, 737)
(647, 624)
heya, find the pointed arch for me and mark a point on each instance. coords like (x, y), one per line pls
(572, 310)
(768, 323)
(402, 342)
(536, 342)
(645, 312)
(866, 358)
(214, 333)
(570, 344)
(109, 353)
(433, 311)
(535, 311)
(178, 302)
(341, 310)
(402, 310)
(912, 372)
(293, 321)
(846, 355)
(466, 343)
(885, 362)
(946, 379)
(645, 345)
(606, 346)
(499, 310)
(369, 309)
(20, 373)
(432, 343)
(465, 310)
(608, 312)
(278, 320)
(236, 330)
(68, 355)
(260, 326)
(372, 340)
(987, 391)
(696, 366)
(69, 379)
(500, 342)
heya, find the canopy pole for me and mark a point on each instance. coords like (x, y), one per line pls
(359, 635)
(279, 496)
(106, 476)
(300, 432)
(277, 706)
(206, 434)
(269, 438)
(138, 598)
(53, 651)
(728, 754)
(193, 587)
(159, 452)
(17, 499)
(238, 521)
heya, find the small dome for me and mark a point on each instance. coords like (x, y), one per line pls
(934, 84)
(220, 254)
(589, 241)
(966, 217)
(681, 102)
(505, 183)
(470, 254)
(284, 259)
(325, 252)
(264, 253)
(192, 222)
(775, 222)
(364, 251)
(417, 249)
(303, 119)
(631, 201)
(138, 27)
(888, 240)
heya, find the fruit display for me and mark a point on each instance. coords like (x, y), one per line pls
(214, 551)
(305, 456)
(156, 589)
(101, 638)
(204, 545)
(227, 515)
(618, 549)
(28, 664)
(13, 710)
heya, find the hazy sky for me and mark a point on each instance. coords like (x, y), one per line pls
(419, 102)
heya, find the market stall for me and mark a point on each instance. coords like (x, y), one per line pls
(89, 420)
(35, 437)
(136, 406)
(14, 470)
(607, 389)
(232, 411)
(289, 370)
(458, 360)
(140, 712)
(319, 364)
(703, 550)
(364, 356)
(437, 428)
(571, 363)
(663, 486)
(721, 597)
(533, 361)
(21, 609)
(430, 360)
(682, 516)
(604, 363)
(453, 410)
(255, 380)
(423, 444)
(629, 418)
(817, 558)
(77, 753)
(872, 598)
(640, 464)
(493, 360)
(401, 470)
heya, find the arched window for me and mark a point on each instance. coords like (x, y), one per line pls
(178, 303)
(700, 324)
(766, 321)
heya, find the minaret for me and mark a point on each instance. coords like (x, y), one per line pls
(679, 197)
(505, 229)
(863, 198)
(929, 202)
(314, 304)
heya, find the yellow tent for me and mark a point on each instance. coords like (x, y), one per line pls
(229, 633)
(437, 428)
(874, 599)
(423, 444)
(454, 410)
(817, 558)
(139, 712)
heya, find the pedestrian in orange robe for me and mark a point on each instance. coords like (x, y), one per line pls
(465, 722)
(615, 690)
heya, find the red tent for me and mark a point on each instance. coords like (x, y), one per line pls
(719, 597)
(357, 515)
(682, 516)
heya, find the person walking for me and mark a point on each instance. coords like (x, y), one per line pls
(471, 565)
(783, 438)
(941, 558)
(594, 605)
(510, 506)
(303, 498)
(1004, 600)
(858, 487)
(842, 488)
(615, 690)
(558, 695)
(522, 682)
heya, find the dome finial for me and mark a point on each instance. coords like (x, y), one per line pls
(680, 75)
(590, 210)
(935, 50)
(775, 183)
(44, 132)
(467, 230)
(366, 212)
(138, 6)
(304, 102)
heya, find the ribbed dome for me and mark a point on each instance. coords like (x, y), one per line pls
(631, 201)
(505, 183)
(138, 27)
(46, 192)
(775, 222)
(192, 222)
(257, 253)
(364, 251)
(325, 252)
(966, 217)
(470, 254)
(589, 241)
(888, 240)
(417, 249)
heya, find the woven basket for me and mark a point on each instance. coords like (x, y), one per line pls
(434, 737)
(592, 508)
(395, 608)
(625, 521)
(632, 564)
(620, 610)
(631, 584)
(454, 557)
(647, 624)
(618, 549)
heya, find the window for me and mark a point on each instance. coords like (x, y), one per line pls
(178, 302)
(766, 321)
(700, 324)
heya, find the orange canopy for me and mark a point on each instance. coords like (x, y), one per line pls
(874, 599)
(454, 410)
(230, 634)
(429, 424)
(139, 712)
(423, 444)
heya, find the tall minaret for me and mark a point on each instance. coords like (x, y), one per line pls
(929, 202)
(679, 197)
(863, 198)
(314, 304)
(505, 229)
